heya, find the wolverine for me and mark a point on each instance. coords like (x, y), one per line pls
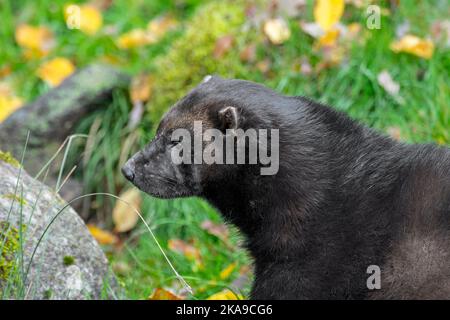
(344, 197)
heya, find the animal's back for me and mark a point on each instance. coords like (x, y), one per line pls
(418, 264)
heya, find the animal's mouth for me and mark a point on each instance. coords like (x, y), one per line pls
(162, 187)
(169, 196)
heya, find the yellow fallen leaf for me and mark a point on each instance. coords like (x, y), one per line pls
(163, 294)
(141, 88)
(328, 12)
(55, 71)
(91, 19)
(156, 29)
(225, 273)
(86, 17)
(8, 105)
(30, 54)
(411, 44)
(277, 30)
(37, 41)
(135, 38)
(102, 236)
(225, 295)
(125, 217)
(329, 39)
(159, 26)
(5, 71)
(8, 101)
(354, 28)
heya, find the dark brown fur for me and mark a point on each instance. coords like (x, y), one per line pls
(345, 197)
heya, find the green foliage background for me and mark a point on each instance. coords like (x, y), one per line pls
(180, 60)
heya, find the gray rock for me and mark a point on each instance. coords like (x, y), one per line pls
(54, 115)
(68, 263)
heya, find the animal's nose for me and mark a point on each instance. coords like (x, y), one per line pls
(128, 172)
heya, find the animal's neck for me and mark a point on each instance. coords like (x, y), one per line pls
(282, 214)
(271, 211)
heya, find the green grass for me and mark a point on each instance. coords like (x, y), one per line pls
(178, 219)
(424, 116)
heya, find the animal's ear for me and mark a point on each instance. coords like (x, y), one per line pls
(229, 118)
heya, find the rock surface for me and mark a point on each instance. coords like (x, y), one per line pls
(54, 115)
(68, 264)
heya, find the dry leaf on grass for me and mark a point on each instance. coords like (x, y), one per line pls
(385, 80)
(156, 29)
(312, 29)
(87, 18)
(101, 4)
(305, 66)
(277, 30)
(264, 65)
(184, 248)
(5, 71)
(134, 39)
(411, 44)
(9, 102)
(225, 295)
(225, 273)
(395, 133)
(248, 54)
(121, 268)
(102, 236)
(55, 71)
(351, 31)
(216, 229)
(440, 32)
(332, 56)
(329, 39)
(291, 8)
(159, 26)
(91, 19)
(223, 45)
(37, 41)
(124, 216)
(402, 29)
(328, 12)
(163, 294)
(141, 88)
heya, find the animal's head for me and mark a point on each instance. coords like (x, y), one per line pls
(190, 149)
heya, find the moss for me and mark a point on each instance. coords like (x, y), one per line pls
(68, 260)
(48, 294)
(9, 244)
(8, 158)
(191, 57)
(16, 198)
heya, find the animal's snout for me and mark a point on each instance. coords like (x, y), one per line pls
(128, 170)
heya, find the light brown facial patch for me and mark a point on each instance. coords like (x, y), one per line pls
(179, 117)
